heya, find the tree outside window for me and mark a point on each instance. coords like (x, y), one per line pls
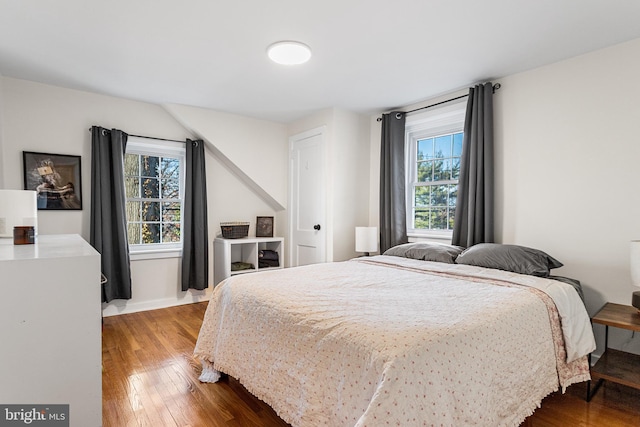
(154, 194)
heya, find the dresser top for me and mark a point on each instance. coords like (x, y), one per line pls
(47, 246)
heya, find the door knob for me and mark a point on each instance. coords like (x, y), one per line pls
(316, 227)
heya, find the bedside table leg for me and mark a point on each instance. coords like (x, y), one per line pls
(590, 392)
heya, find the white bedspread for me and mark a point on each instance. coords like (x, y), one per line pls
(392, 341)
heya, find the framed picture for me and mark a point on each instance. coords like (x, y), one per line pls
(264, 226)
(55, 177)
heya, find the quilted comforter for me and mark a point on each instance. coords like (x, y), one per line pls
(393, 341)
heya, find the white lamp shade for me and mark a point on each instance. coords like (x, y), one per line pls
(634, 251)
(366, 239)
(17, 208)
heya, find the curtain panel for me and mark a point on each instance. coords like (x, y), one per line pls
(108, 223)
(195, 253)
(474, 216)
(393, 218)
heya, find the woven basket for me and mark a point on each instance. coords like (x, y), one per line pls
(234, 230)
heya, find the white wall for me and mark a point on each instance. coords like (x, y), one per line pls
(251, 154)
(350, 180)
(2, 171)
(51, 119)
(568, 157)
(44, 118)
(347, 181)
(254, 149)
(567, 174)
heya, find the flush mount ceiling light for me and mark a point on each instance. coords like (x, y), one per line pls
(289, 53)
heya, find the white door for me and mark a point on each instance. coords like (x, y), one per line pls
(307, 215)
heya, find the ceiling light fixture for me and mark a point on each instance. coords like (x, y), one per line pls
(289, 52)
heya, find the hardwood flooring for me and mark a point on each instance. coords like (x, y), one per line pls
(613, 406)
(151, 379)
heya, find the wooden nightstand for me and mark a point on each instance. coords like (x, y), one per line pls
(615, 365)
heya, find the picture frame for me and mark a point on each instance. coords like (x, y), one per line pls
(264, 226)
(56, 178)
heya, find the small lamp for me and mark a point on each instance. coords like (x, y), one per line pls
(366, 239)
(17, 208)
(635, 272)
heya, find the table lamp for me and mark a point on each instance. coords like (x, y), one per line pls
(366, 239)
(635, 272)
(17, 208)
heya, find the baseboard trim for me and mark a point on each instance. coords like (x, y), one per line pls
(118, 307)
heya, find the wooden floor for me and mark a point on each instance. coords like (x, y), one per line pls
(150, 379)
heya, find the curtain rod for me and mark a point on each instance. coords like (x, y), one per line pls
(495, 87)
(160, 139)
(153, 137)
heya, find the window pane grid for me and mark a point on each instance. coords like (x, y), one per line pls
(437, 169)
(153, 208)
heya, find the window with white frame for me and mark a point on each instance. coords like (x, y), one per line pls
(434, 150)
(154, 189)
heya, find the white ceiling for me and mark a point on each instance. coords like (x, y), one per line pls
(368, 55)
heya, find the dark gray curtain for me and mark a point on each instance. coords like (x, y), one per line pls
(393, 219)
(474, 217)
(108, 229)
(195, 251)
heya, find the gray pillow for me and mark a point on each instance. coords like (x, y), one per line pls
(518, 259)
(573, 282)
(425, 251)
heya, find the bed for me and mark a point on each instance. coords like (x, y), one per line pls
(402, 338)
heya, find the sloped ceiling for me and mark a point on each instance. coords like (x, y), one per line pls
(367, 55)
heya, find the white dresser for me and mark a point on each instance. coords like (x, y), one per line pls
(50, 327)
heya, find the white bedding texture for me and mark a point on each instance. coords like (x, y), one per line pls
(393, 341)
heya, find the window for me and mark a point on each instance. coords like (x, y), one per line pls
(434, 150)
(154, 190)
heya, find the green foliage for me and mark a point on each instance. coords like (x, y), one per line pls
(436, 189)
